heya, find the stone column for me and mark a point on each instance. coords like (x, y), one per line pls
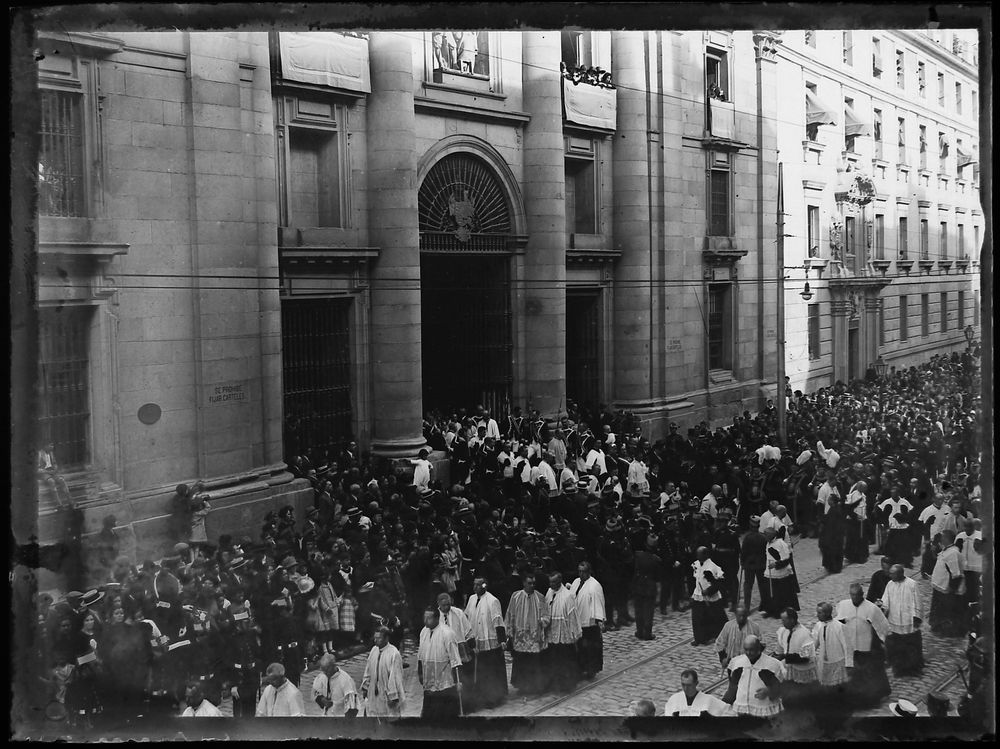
(631, 217)
(870, 331)
(839, 310)
(393, 228)
(545, 201)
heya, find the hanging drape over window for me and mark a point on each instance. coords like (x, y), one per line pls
(818, 113)
(853, 124)
(325, 58)
(964, 157)
(943, 144)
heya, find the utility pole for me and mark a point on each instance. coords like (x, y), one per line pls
(780, 263)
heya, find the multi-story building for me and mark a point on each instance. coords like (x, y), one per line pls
(250, 243)
(882, 205)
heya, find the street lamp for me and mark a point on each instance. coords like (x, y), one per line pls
(806, 293)
(881, 366)
(970, 333)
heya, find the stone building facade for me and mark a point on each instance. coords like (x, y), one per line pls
(892, 260)
(251, 241)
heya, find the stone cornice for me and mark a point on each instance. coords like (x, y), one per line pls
(936, 51)
(890, 96)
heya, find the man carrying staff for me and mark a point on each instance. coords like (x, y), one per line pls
(589, 596)
(489, 670)
(526, 621)
(438, 662)
(779, 589)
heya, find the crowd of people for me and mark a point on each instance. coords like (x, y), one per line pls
(545, 535)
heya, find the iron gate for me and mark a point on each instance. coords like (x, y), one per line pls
(316, 368)
(466, 334)
(64, 380)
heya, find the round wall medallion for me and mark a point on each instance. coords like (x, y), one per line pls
(149, 413)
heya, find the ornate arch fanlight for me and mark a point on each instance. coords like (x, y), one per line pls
(462, 195)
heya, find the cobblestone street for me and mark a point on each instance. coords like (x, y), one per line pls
(634, 669)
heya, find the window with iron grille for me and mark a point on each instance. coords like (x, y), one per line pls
(900, 70)
(316, 372)
(879, 236)
(944, 311)
(958, 97)
(848, 48)
(961, 309)
(923, 146)
(904, 329)
(925, 314)
(961, 240)
(921, 79)
(876, 57)
(719, 223)
(924, 240)
(881, 322)
(902, 238)
(940, 79)
(943, 244)
(64, 381)
(719, 326)
(813, 229)
(814, 331)
(61, 177)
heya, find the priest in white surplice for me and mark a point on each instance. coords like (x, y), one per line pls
(280, 698)
(526, 619)
(382, 683)
(563, 636)
(901, 604)
(483, 611)
(333, 689)
(589, 596)
(437, 667)
(833, 657)
(865, 630)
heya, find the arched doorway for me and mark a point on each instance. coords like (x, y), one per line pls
(465, 246)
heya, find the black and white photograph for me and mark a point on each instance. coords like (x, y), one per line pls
(501, 372)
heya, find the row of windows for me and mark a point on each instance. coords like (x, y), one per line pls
(876, 240)
(854, 127)
(878, 67)
(904, 329)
